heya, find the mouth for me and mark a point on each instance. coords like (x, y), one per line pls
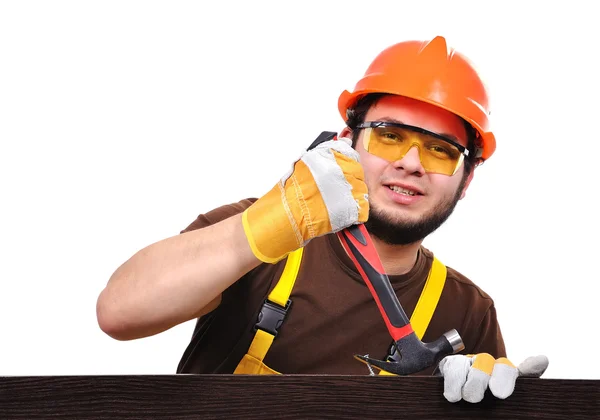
(405, 190)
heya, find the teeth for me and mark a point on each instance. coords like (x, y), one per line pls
(401, 190)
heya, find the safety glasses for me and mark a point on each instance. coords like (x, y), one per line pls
(392, 141)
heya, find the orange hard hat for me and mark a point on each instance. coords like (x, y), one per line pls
(431, 72)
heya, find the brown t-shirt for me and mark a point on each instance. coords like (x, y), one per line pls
(333, 315)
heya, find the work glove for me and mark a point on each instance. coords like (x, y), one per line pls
(323, 192)
(468, 377)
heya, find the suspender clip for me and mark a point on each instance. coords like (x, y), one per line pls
(271, 317)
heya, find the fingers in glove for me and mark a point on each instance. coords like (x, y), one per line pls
(504, 376)
(534, 366)
(342, 145)
(355, 176)
(330, 181)
(455, 370)
(478, 378)
(349, 165)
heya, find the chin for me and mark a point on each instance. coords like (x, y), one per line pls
(402, 212)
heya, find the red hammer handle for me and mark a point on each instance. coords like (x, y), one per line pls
(359, 246)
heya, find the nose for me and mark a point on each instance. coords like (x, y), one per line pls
(411, 162)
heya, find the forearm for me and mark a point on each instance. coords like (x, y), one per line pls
(174, 280)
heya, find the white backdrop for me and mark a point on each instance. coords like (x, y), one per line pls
(121, 121)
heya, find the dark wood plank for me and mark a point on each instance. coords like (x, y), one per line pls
(282, 397)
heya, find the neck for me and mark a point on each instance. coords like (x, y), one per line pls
(397, 259)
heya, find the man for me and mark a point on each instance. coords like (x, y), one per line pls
(417, 126)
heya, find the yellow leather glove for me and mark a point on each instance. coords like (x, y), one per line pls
(468, 377)
(324, 192)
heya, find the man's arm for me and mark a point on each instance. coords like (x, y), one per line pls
(182, 277)
(174, 280)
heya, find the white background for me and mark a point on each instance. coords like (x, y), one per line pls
(121, 121)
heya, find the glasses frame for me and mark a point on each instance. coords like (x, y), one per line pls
(376, 124)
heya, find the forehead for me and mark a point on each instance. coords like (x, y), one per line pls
(420, 114)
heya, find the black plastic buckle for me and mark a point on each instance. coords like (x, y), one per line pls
(271, 317)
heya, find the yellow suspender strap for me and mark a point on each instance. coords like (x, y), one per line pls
(429, 298)
(283, 289)
(279, 296)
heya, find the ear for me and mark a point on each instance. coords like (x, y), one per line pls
(467, 183)
(346, 132)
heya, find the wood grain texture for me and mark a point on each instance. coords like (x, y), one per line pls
(283, 397)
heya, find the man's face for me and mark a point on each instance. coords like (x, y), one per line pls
(398, 216)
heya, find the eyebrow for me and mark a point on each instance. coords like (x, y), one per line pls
(397, 121)
(390, 119)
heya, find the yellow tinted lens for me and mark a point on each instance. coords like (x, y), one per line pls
(439, 156)
(389, 143)
(392, 143)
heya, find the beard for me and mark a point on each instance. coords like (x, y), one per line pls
(394, 232)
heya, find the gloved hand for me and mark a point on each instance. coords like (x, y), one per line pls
(324, 192)
(468, 377)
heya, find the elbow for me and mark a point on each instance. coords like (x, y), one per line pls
(109, 320)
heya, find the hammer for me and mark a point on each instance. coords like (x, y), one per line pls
(408, 354)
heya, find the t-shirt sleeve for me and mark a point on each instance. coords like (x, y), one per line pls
(490, 336)
(219, 214)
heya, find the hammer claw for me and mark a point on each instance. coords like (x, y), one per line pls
(370, 362)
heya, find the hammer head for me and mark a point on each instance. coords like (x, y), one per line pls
(410, 355)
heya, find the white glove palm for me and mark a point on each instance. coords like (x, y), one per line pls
(468, 377)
